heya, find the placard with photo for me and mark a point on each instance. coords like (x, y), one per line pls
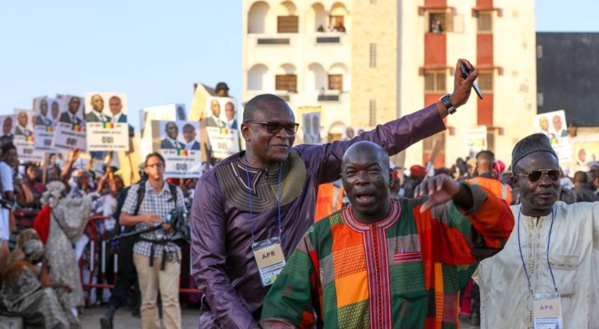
(221, 112)
(70, 129)
(23, 136)
(106, 121)
(179, 144)
(223, 141)
(47, 112)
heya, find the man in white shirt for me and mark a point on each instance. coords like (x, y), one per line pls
(558, 126)
(116, 106)
(9, 154)
(554, 248)
(189, 134)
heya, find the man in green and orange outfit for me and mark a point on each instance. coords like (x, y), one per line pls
(383, 263)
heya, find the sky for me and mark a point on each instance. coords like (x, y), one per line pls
(153, 51)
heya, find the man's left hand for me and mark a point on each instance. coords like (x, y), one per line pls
(439, 189)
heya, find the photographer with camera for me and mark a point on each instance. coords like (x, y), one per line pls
(156, 256)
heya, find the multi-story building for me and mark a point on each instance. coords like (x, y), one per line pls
(368, 62)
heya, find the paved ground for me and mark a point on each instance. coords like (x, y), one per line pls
(90, 319)
(124, 320)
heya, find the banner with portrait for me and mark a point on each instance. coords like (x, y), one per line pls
(475, 139)
(70, 129)
(224, 142)
(106, 121)
(349, 132)
(47, 111)
(23, 136)
(179, 144)
(309, 131)
(553, 125)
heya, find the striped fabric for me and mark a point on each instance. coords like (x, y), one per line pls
(404, 271)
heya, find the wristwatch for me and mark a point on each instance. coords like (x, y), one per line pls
(447, 103)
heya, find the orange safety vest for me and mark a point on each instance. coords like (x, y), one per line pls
(499, 189)
(328, 200)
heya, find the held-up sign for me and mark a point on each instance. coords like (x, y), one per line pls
(23, 137)
(223, 141)
(70, 128)
(47, 111)
(106, 122)
(179, 144)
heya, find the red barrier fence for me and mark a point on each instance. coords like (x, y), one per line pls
(95, 258)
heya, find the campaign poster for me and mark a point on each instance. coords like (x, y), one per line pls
(47, 111)
(221, 112)
(23, 136)
(553, 125)
(349, 132)
(70, 128)
(311, 128)
(169, 112)
(106, 121)
(8, 123)
(475, 139)
(179, 144)
(224, 142)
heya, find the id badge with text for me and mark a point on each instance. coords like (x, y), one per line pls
(269, 258)
(547, 310)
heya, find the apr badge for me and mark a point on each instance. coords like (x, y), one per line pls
(547, 310)
(270, 259)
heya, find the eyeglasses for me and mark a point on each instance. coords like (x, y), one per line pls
(274, 127)
(536, 175)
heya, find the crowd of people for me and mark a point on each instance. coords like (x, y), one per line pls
(389, 247)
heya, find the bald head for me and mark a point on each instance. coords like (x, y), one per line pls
(261, 103)
(367, 151)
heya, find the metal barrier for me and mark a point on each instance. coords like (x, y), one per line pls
(95, 255)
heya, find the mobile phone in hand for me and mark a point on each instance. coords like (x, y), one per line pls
(465, 74)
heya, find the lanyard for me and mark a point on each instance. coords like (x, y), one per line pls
(247, 172)
(548, 244)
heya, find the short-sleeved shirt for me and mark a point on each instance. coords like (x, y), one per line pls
(160, 203)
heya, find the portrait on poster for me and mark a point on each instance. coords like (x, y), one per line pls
(179, 144)
(167, 112)
(221, 112)
(349, 132)
(23, 136)
(553, 125)
(106, 121)
(70, 129)
(475, 139)
(8, 123)
(47, 111)
(311, 128)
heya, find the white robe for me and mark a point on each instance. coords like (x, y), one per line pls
(574, 256)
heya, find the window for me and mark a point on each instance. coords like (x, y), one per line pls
(337, 23)
(437, 23)
(434, 82)
(485, 22)
(287, 24)
(440, 21)
(485, 81)
(373, 55)
(286, 82)
(335, 82)
(372, 118)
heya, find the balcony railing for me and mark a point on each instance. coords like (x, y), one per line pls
(273, 41)
(328, 39)
(328, 98)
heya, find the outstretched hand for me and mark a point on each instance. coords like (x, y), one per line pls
(439, 190)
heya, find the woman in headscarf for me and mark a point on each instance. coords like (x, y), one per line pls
(27, 293)
(24, 237)
(68, 220)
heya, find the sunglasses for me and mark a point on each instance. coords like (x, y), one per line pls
(275, 127)
(536, 175)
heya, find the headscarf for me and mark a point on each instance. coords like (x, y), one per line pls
(54, 192)
(33, 250)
